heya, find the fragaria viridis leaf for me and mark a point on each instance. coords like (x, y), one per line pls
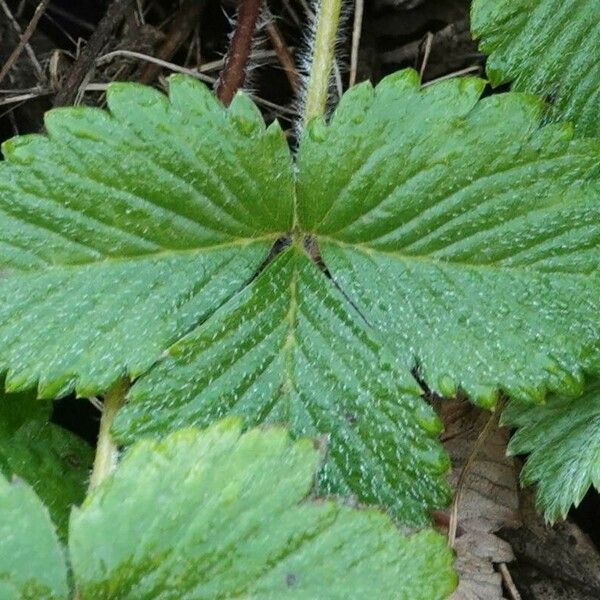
(546, 47)
(468, 239)
(457, 233)
(291, 349)
(32, 564)
(233, 521)
(119, 232)
(218, 514)
(54, 461)
(563, 439)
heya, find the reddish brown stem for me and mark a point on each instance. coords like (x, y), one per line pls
(233, 75)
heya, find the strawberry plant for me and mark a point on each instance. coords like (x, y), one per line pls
(563, 437)
(177, 258)
(546, 47)
(551, 48)
(214, 515)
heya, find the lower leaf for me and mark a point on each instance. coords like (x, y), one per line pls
(563, 437)
(54, 461)
(217, 514)
(32, 565)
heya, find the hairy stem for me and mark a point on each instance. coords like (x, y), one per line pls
(106, 450)
(328, 21)
(234, 74)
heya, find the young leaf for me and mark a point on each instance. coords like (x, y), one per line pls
(120, 232)
(216, 514)
(462, 231)
(563, 437)
(547, 47)
(291, 349)
(32, 566)
(54, 461)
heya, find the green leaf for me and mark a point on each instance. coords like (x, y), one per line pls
(54, 461)
(222, 515)
(563, 437)
(290, 349)
(462, 231)
(120, 232)
(547, 47)
(32, 566)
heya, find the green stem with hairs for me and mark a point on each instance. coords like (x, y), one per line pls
(328, 21)
(106, 449)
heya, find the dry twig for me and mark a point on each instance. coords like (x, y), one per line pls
(489, 426)
(117, 11)
(426, 54)
(284, 55)
(508, 582)
(181, 28)
(163, 64)
(24, 38)
(359, 8)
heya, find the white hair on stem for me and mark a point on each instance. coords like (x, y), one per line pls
(256, 58)
(307, 58)
(260, 42)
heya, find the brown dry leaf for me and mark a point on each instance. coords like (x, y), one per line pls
(488, 502)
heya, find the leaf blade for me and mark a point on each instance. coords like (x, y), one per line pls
(32, 564)
(563, 441)
(131, 225)
(545, 47)
(54, 461)
(481, 224)
(251, 489)
(291, 349)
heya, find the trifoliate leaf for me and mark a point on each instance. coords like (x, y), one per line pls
(32, 566)
(54, 461)
(547, 47)
(563, 437)
(467, 235)
(291, 349)
(120, 232)
(217, 514)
